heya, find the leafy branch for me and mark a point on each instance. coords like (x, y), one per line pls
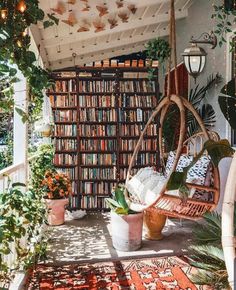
(225, 20)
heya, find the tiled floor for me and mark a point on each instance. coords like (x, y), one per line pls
(88, 239)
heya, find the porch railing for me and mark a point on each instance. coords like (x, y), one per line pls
(9, 175)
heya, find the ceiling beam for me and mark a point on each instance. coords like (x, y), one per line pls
(91, 48)
(78, 37)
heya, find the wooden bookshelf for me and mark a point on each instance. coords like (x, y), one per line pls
(99, 114)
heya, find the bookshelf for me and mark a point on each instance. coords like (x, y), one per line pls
(99, 113)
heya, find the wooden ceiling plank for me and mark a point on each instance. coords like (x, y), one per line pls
(122, 27)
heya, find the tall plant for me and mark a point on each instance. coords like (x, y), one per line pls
(42, 163)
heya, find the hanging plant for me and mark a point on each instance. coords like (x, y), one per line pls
(157, 49)
(15, 18)
(225, 18)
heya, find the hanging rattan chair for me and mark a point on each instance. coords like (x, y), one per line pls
(174, 206)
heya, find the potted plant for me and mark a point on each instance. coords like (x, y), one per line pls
(57, 188)
(126, 224)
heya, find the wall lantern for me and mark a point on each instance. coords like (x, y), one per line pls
(195, 56)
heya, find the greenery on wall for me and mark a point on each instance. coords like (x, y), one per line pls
(15, 49)
(225, 18)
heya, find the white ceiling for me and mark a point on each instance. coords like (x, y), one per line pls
(58, 43)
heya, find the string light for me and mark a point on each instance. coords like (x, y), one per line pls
(3, 14)
(21, 6)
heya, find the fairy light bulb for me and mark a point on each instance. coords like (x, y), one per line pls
(24, 33)
(19, 43)
(21, 6)
(3, 14)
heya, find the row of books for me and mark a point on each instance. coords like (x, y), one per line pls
(102, 188)
(126, 63)
(92, 202)
(135, 129)
(97, 130)
(97, 101)
(63, 100)
(95, 145)
(97, 86)
(65, 144)
(65, 159)
(65, 130)
(98, 173)
(141, 159)
(98, 159)
(72, 173)
(65, 116)
(64, 86)
(134, 115)
(147, 144)
(138, 86)
(148, 101)
(98, 115)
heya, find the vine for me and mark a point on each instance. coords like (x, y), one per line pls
(225, 17)
(15, 49)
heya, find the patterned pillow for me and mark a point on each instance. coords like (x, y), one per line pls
(196, 174)
(183, 162)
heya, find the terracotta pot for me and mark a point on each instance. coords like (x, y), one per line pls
(56, 214)
(127, 231)
(154, 224)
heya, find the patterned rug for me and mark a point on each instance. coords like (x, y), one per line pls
(151, 273)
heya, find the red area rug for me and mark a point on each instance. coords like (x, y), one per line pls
(152, 274)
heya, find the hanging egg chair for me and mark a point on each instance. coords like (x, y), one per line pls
(166, 203)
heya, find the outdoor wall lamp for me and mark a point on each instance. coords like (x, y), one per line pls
(195, 56)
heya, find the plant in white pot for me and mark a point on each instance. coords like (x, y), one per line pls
(56, 187)
(126, 224)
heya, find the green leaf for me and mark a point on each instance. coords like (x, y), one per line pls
(218, 150)
(120, 198)
(47, 24)
(176, 180)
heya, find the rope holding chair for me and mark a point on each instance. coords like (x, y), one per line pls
(166, 204)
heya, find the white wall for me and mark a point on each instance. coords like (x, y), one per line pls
(199, 21)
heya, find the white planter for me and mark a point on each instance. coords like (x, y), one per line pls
(127, 231)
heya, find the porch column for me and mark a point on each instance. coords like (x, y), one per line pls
(20, 129)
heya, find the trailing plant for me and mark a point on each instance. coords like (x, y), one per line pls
(206, 253)
(22, 215)
(118, 202)
(225, 17)
(39, 165)
(15, 49)
(157, 49)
